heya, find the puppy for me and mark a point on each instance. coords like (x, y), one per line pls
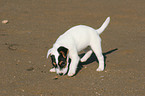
(73, 41)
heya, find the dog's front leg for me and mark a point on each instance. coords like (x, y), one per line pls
(73, 65)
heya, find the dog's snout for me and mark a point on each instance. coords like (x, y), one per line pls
(60, 74)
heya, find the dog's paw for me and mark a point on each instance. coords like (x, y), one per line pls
(52, 70)
(71, 73)
(83, 60)
(100, 69)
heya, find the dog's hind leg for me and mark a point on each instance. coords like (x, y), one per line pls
(96, 47)
(86, 56)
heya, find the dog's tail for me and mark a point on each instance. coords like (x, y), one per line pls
(104, 25)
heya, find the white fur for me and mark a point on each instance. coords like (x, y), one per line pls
(52, 70)
(76, 39)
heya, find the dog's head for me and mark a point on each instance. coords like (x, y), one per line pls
(59, 59)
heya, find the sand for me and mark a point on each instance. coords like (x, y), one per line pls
(34, 25)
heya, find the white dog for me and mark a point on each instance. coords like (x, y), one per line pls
(71, 42)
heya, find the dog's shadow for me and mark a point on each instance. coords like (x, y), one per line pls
(93, 58)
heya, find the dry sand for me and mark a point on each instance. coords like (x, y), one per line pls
(34, 25)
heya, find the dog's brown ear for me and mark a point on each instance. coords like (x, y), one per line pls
(62, 50)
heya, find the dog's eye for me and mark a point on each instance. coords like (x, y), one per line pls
(54, 64)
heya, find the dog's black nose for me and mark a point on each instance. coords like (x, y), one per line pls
(60, 74)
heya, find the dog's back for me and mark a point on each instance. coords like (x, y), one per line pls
(81, 35)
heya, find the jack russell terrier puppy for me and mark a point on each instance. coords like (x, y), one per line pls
(73, 41)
